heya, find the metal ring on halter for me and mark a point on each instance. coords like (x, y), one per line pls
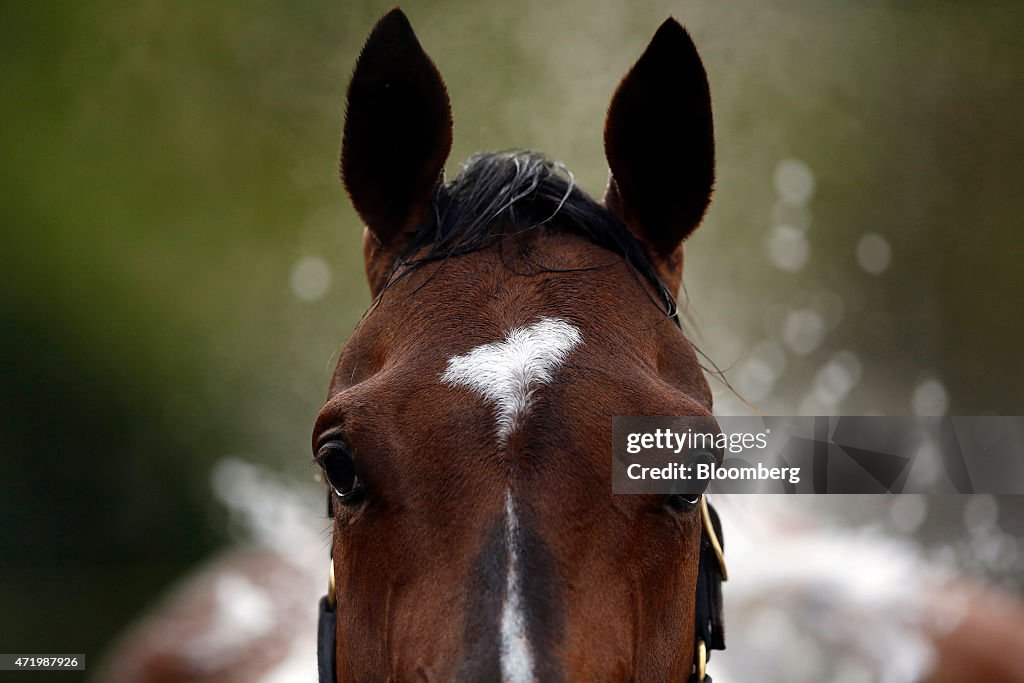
(332, 598)
(709, 529)
(702, 659)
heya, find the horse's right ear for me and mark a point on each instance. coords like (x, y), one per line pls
(398, 132)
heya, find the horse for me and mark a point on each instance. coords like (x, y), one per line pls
(466, 434)
(465, 440)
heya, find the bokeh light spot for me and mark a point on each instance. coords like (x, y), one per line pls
(874, 253)
(930, 398)
(311, 278)
(803, 330)
(908, 512)
(794, 181)
(786, 248)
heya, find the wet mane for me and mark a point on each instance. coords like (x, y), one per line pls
(497, 194)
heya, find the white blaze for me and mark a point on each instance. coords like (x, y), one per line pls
(506, 373)
(516, 657)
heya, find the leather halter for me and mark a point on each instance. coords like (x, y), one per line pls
(709, 628)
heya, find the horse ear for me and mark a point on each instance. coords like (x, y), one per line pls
(398, 132)
(659, 142)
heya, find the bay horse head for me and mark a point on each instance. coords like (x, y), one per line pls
(466, 435)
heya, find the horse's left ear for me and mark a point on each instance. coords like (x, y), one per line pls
(398, 132)
(659, 141)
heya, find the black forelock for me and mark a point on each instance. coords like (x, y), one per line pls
(497, 194)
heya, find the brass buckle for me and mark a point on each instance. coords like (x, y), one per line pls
(709, 529)
(702, 659)
(332, 598)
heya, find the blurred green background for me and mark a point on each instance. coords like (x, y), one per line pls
(181, 265)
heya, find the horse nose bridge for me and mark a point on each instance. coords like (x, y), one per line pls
(531, 624)
(512, 623)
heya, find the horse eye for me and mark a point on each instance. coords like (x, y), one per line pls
(335, 457)
(682, 503)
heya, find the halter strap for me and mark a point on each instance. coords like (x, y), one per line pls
(708, 622)
(327, 625)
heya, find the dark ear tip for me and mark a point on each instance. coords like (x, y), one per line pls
(671, 36)
(392, 26)
(669, 26)
(391, 47)
(395, 13)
